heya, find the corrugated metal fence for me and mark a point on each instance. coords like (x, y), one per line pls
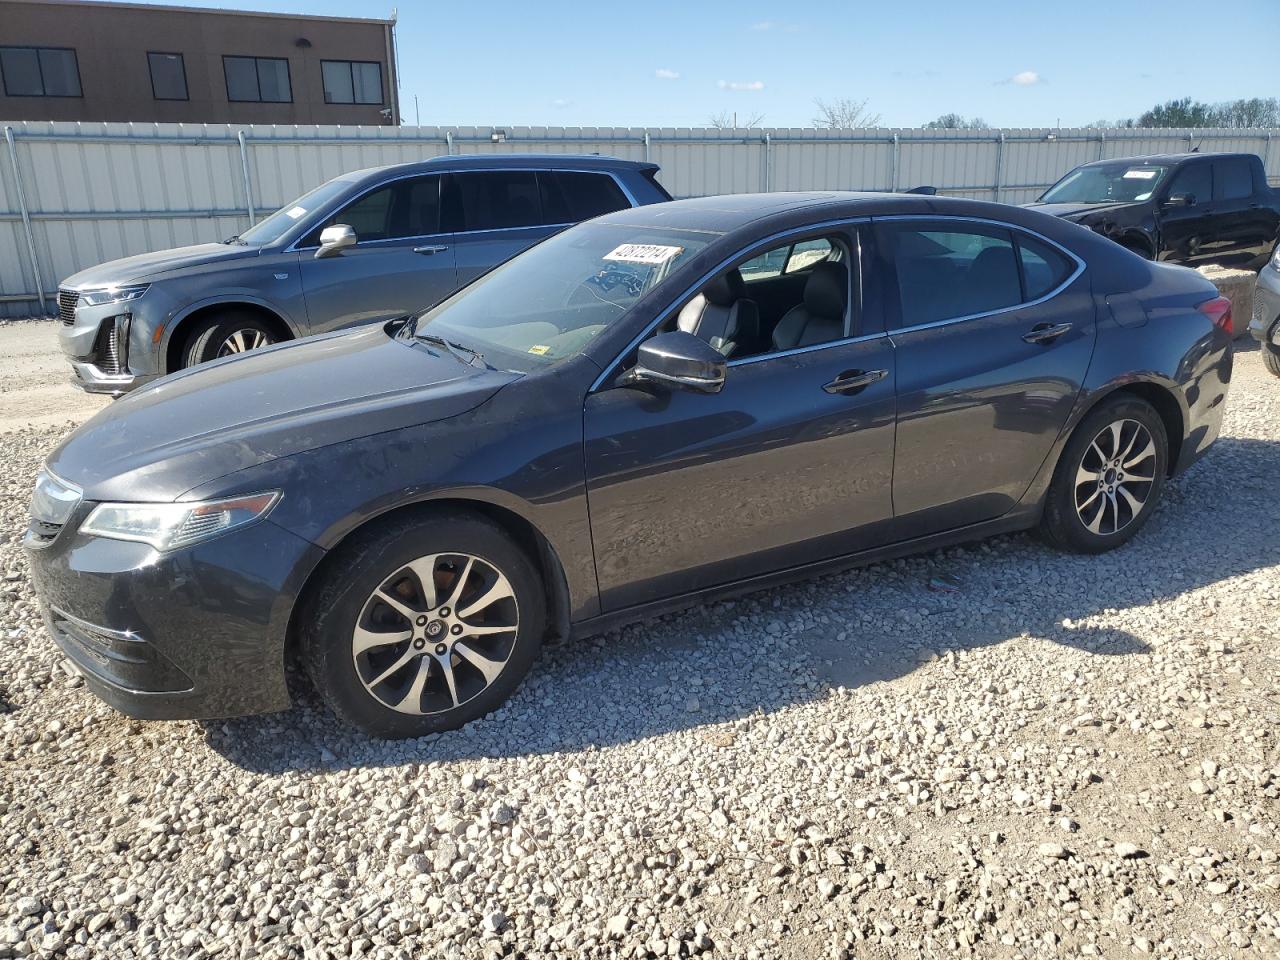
(76, 194)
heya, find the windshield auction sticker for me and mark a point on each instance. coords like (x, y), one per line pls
(295, 212)
(650, 253)
(1139, 174)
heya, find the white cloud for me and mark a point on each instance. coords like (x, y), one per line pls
(1027, 78)
(561, 102)
(749, 85)
(662, 73)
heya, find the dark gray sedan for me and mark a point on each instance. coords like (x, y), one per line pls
(366, 246)
(650, 409)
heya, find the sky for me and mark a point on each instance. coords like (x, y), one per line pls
(1013, 63)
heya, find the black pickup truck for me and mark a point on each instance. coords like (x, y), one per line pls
(1188, 208)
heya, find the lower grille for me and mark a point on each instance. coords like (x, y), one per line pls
(43, 532)
(67, 300)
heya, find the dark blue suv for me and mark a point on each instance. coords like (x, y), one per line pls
(366, 246)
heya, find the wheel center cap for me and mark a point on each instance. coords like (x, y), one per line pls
(1111, 476)
(435, 628)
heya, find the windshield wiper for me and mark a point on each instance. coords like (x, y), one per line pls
(463, 353)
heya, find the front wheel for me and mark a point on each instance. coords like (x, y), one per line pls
(1271, 358)
(225, 335)
(1109, 479)
(424, 625)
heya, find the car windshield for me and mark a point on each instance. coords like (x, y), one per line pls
(552, 300)
(1109, 183)
(272, 228)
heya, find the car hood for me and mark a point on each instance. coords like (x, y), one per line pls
(161, 441)
(1077, 211)
(147, 265)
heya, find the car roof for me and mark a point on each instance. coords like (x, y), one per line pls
(505, 161)
(765, 212)
(1162, 158)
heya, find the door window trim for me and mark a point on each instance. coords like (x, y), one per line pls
(759, 246)
(296, 246)
(1013, 229)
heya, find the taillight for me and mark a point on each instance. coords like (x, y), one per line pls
(1218, 310)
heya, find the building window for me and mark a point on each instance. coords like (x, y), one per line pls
(40, 72)
(168, 76)
(257, 79)
(347, 81)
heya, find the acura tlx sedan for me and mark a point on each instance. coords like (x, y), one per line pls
(649, 409)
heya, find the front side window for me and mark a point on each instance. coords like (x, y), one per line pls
(1232, 179)
(350, 81)
(39, 72)
(168, 76)
(400, 210)
(794, 295)
(1194, 181)
(556, 297)
(257, 79)
(945, 272)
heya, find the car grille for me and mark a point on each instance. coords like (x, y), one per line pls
(42, 532)
(67, 300)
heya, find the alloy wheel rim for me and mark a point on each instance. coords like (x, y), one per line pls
(1115, 477)
(436, 633)
(242, 341)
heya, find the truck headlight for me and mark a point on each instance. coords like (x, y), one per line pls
(169, 526)
(100, 298)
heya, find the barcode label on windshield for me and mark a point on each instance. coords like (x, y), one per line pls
(650, 253)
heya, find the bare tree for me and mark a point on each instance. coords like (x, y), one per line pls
(844, 113)
(724, 120)
(954, 121)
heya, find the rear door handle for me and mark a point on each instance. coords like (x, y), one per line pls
(1045, 332)
(854, 380)
(428, 251)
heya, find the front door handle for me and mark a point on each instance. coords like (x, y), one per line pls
(1045, 332)
(428, 251)
(853, 380)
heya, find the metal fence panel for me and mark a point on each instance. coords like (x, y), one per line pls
(98, 191)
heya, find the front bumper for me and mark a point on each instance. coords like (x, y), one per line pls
(196, 633)
(1264, 325)
(111, 347)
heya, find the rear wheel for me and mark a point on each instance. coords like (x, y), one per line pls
(1109, 479)
(225, 335)
(1271, 358)
(424, 625)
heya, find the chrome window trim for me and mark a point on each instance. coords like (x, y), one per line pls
(693, 288)
(1004, 225)
(294, 246)
(846, 341)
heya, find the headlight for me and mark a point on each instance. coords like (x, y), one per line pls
(168, 526)
(99, 298)
(54, 500)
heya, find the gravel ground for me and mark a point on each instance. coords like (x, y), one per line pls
(1037, 755)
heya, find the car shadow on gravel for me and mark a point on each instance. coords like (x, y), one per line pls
(782, 647)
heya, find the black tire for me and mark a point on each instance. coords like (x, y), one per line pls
(1063, 525)
(206, 340)
(1271, 358)
(344, 600)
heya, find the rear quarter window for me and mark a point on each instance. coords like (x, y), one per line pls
(1044, 269)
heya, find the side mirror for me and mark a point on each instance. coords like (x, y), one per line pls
(335, 239)
(680, 360)
(1180, 200)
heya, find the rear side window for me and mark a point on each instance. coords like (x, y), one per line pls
(1232, 179)
(571, 197)
(493, 200)
(945, 273)
(1043, 268)
(1195, 180)
(406, 208)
